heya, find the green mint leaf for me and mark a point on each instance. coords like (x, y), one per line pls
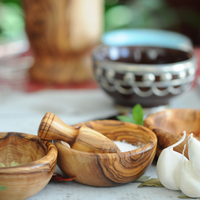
(138, 114)
(125, 118)
(2, 187)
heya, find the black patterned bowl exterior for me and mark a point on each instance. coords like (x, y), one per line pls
(147, 75)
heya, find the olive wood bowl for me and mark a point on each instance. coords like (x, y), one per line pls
(110, 169)
(37, 159)
(169, 124)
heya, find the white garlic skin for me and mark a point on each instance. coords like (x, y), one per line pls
(168, 166)
(194, 153)
(190, 170)
(189, 184)
(176, 172)
(168, 163)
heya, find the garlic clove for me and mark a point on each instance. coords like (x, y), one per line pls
(189, 183)
(193, 154)
(176, 172)
(190, 172)
(168, 166)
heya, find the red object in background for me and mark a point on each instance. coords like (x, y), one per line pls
(35, 86)
(28, 85)
(58, 177)
(197, 53)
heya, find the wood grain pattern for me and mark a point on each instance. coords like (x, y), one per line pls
(89, 140)
(80, 137)
(37, 158)
(169, 124)
(53, 128)
(110, 169)
(62, 35)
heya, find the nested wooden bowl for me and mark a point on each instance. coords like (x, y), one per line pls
(169, 124)
(37, 159)
(110, 169)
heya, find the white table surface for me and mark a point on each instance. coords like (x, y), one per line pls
(22, 112)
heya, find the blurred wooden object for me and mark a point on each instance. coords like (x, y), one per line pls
(80, 138)
(62, 34)
(169, 124)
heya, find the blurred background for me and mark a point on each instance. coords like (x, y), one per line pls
(21, 28)
(11, 20)
(181, 16)
(175, 15)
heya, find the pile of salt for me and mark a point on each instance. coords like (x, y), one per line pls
(124, 146)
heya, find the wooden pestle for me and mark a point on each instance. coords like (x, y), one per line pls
(80, 138)
(53, 128)
(92, 141)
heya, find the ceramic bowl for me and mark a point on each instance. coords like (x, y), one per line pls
(110, 169)
(147, 75)
(169, 124)
(37, 159)
(147, 37)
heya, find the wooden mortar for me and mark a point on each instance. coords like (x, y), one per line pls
(37, 159)
(110, 169)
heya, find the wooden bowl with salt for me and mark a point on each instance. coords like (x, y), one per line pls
(169, 124)
(34, 159)
(109, 169)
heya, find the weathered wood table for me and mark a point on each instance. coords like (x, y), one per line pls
(22, 112)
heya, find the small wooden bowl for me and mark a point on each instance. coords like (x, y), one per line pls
(37, 158)
(169, 124)
(110, 169)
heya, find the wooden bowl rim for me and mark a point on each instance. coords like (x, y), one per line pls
(148, 146)
(151, 126)
(50, 157)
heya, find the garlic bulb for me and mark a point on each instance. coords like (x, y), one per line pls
(190, 170)
(168, 166)
(176, 172)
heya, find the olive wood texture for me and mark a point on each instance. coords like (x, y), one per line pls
(110, 169)
(169, 124)
(62, 35)
(53, 128)
(37, 161)
(80, 137)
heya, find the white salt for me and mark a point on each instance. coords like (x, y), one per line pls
(124, 146)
